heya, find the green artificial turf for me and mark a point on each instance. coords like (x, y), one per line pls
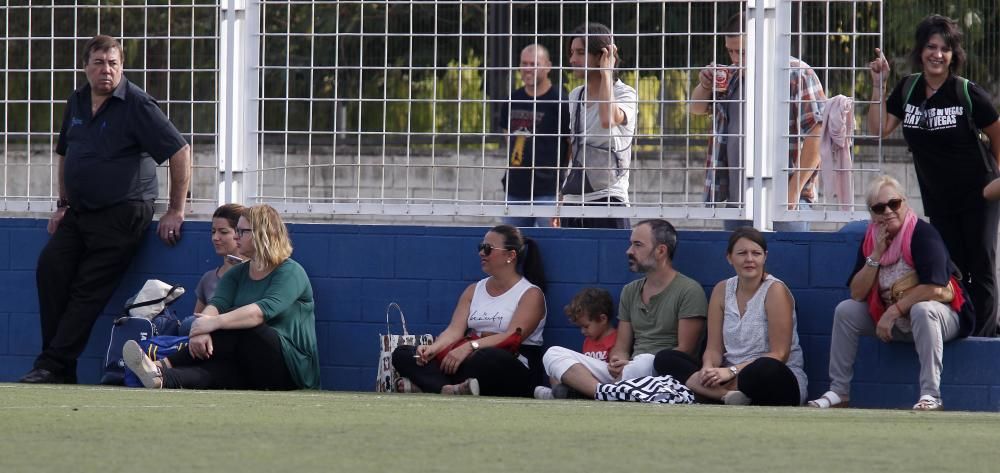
(96, 429)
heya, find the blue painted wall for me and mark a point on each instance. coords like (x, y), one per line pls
(357, 270)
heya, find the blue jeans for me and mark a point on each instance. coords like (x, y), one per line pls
(730, 225)
(530, 221)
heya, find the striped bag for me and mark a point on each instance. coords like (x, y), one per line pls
(654, 389)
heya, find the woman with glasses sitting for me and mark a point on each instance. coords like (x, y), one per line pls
(904, 288)
(258, 330)
(941, 114)
(490, 317)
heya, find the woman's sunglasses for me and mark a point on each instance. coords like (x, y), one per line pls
(486, 248)
(893, 205)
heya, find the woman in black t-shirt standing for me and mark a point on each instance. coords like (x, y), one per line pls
(951, 169)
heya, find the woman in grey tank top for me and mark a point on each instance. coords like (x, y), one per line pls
(753, 354)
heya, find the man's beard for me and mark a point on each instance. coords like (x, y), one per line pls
(636, 266)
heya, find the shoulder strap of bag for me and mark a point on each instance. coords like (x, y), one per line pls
(401, 318)
(908, 85)
(152, 301)
(578, 137)
(962, 88)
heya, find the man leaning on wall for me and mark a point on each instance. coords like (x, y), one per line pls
(106, 191)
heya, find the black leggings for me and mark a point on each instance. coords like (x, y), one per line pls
(766, 381)
(971, 239)
(241, 359)
(498, 371)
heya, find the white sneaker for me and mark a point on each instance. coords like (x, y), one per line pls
(141, 365)
(543, 392)
(469, 387)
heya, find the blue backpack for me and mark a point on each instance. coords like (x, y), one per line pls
(140, 329)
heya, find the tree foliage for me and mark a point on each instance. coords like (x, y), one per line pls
(385, 63)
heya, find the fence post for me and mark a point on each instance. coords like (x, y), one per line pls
(238, 47)
(761, 100)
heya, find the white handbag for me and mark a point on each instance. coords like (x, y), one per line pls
(385, 382)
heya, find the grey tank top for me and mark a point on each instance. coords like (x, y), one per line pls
(746, 338)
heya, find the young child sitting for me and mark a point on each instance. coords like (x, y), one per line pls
(591, 309)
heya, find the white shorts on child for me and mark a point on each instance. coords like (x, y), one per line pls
(557, 360)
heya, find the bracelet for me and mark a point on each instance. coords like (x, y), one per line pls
(872, 263)
(734, 371)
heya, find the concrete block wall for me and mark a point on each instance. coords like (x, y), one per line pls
(356, 270)
(667, 175)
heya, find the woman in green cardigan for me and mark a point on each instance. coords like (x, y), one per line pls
(258, 330)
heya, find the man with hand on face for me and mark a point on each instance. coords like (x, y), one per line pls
(663, 310)
(603, 113)
(538, 120)
(113, 136)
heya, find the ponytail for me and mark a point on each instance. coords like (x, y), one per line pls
(531, 264)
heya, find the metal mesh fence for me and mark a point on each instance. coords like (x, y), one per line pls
(171, 51)
(388, 111)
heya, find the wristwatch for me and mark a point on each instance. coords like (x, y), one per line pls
(734, 371)
(475, 345)
(870, 262)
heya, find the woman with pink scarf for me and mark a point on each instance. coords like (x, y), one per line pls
(904, 288)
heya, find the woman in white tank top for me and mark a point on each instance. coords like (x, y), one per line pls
(494, 309)
(753, 354)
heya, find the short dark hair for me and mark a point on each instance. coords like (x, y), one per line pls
(750, 233)
(230, 212)
(102, 43)
(592, 301)
(596, 36)
(950, 33)
(663, 234)
(735, 25)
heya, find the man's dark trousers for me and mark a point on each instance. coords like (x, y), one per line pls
(78, 271)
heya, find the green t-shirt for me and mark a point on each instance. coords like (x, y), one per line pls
(285, 297)
(654, 326)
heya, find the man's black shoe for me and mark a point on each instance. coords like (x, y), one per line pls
(44, 376)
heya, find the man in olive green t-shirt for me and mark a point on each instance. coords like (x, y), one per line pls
(663, 310)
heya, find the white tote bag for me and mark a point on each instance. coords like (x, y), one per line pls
(385, 382)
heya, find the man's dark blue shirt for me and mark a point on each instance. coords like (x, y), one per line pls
(105, 161)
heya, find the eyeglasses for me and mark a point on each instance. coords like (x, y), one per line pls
(242, 232)
(893, 205)
(486, 248)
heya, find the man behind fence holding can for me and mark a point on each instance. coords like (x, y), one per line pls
(107, 185)
(725, 173)
(538, 123)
